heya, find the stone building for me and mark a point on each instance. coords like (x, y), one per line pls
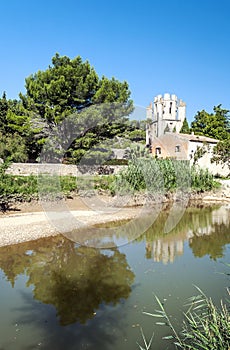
(194, 148)
(165, 114)
(165, 117)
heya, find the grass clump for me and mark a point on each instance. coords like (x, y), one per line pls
(205, 326)
(164, 175)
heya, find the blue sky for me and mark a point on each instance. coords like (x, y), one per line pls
(175, 46)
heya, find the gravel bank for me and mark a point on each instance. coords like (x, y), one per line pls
(21, 227)
(32, 221)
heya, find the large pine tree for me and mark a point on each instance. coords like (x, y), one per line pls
(68, 99)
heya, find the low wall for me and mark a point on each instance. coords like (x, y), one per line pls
(60, 169)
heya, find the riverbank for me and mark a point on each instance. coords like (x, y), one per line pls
(30, 221)
(220, 195)
(28, 226)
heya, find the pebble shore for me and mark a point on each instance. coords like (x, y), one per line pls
(26, 224)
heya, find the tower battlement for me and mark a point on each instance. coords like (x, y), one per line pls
(166, 113)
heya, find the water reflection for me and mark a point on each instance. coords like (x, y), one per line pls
(75, 280)
(206, 228)
(81, 297)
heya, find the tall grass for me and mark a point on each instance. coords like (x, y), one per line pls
(205, 326)
(163, 175)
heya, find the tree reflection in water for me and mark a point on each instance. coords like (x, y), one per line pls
(75, 280)
(207, 229)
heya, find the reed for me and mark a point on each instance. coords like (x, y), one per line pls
(205, 326)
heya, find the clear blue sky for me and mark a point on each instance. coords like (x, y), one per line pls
(175, 46)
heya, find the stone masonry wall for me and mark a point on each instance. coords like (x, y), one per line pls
(60, 169)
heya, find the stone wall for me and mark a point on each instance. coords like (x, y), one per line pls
(60, 169)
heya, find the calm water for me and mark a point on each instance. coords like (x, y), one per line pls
(58, 295)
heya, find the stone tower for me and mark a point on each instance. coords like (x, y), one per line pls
(165, 114)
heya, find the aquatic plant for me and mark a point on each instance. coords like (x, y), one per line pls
(205, 326)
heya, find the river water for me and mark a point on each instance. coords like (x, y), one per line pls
(56, 294)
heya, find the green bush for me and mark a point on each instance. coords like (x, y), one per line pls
(202, 180)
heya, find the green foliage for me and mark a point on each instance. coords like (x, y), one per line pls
(185, 127)
(221, 153)
(25, 188)
(152, 175)
(204, 327)
(200, 151)
(202, 180)
(66, 90)
(108, 91)
(104, 182)
(117, 162)
(13, 146)
(15, 124)
(98, 156)
(137, 135)
(136, 151)
(215, 125)
(162, 176)
(65, 87)
(3, 112)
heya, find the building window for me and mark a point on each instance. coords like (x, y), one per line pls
(157, 151)
(177, 148)
(170, 108)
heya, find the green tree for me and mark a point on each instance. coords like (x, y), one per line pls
(221, 153)
(185, 127)
(16, 127)
(3, 113)
(13, 146)
(68, 88)
(215, 125)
